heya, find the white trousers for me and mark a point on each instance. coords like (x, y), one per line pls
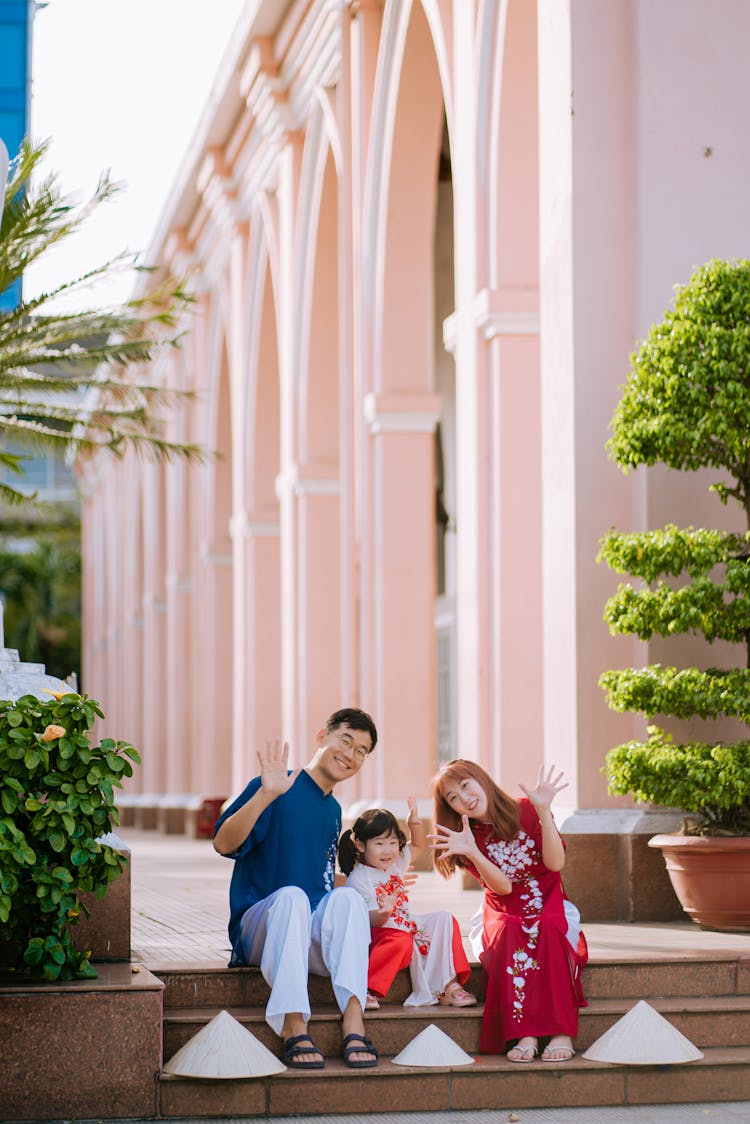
(287, 941)
(430, 973)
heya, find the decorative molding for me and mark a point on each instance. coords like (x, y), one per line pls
(264, 91)
(179, 252)
(177, 584)
(155, 604)
(450, 333)
(507, 312)
(219, 192)
(243, 527)
(509, 324)
(314, 56)
(401, 413)
(498, 312)
(308, 480)
(213, 556)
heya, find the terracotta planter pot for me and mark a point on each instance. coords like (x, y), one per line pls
(711, 877)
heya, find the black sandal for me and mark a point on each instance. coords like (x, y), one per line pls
(366, 1047)
(292, 1050)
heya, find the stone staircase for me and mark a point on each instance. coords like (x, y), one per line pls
(707, 999)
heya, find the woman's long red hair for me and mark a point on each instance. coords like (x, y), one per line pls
(503, 812)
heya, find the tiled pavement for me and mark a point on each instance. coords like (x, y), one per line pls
(179, 890)
(180, 897)
(734, 1112)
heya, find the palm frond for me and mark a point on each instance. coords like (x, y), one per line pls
(77, 380)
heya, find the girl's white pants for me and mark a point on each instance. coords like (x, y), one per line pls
(430, 973)
(287, 941)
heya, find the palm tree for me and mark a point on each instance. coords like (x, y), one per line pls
(50, 360)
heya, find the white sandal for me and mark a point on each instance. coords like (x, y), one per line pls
(525, 1050)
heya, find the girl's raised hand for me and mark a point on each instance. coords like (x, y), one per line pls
(387, 902)
(547, 787)
(411, 804)
(448, 842)
(274, 775)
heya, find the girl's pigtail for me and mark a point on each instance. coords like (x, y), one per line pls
(347, 851)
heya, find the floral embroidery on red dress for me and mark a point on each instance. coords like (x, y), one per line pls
(513, 857)
(400, 913)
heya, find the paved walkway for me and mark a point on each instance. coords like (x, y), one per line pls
(729, 1113)
(179, 890)
(180, 897)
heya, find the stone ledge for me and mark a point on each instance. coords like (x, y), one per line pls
(86, 1048)
(610, 872)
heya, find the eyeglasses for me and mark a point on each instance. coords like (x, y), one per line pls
(348, 744)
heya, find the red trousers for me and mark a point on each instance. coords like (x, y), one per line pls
(391, 950)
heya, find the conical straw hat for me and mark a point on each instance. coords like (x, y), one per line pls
(224, 1049)
(643, 1037)
(432, 1047)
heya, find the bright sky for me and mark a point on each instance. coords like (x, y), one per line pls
(120, 85)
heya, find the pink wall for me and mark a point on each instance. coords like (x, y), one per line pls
(588, 155)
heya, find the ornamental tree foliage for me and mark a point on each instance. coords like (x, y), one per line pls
(49, 360)
(56, 803)
(686, 404)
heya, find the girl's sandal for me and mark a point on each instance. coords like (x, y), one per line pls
(455, 996)
(523, 1051)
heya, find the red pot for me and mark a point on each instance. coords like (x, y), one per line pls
(711, 878)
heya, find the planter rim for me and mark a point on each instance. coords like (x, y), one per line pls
(703, 842)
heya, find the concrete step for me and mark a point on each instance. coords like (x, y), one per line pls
(489, 1083)
(212, 985)
(705, 1021)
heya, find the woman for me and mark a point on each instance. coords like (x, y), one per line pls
(529, 940)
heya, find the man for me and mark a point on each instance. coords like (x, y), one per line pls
(285, 914)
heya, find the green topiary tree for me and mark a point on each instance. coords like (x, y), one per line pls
(56, 802)
(686, 404)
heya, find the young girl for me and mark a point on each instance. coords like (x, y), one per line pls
(528, 939)
(377, 858)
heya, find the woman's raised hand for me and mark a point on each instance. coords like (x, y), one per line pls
(447, 842)
(547, 787)
(274, 775)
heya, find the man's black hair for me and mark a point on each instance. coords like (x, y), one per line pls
(355, 719)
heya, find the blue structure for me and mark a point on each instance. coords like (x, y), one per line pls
(15, 89)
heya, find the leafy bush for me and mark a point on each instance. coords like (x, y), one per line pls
(56, 801)
(686, 404)
(711, 781)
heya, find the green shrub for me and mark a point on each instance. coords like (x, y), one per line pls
(56, 801)
(712, 781)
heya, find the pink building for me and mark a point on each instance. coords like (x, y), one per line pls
(423, 236)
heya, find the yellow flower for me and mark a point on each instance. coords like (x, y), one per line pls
(53, 732)
(56, 694)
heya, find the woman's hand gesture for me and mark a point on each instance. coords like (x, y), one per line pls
(447, 842)
(547, 787)
(275, 778)
(409, 877)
